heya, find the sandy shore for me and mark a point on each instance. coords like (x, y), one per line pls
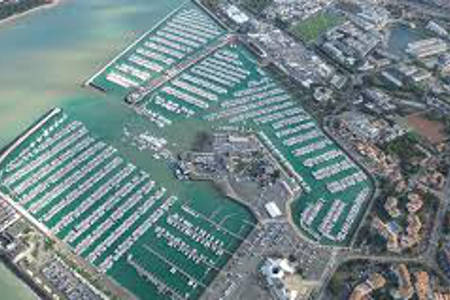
(14, 17)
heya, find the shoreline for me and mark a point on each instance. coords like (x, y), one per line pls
(22, 278)
(14, 17)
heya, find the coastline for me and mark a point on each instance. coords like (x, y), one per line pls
(14, 17)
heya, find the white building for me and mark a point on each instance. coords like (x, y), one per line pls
(275, 270)
(236, 15)
(273, 210)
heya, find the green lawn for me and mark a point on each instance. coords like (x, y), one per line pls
(310, 29)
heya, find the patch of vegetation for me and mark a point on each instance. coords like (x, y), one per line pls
(310, 29)
(49, 244)
(404, 146)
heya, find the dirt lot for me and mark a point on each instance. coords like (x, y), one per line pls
(431, 130)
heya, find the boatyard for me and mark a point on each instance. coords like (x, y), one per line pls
(114, 214)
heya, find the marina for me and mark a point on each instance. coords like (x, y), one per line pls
(128, 217)
(107, 209)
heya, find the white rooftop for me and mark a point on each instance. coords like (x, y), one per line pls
(272, 209)
(236, 15)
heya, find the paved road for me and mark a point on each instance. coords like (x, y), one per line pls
(437, 228)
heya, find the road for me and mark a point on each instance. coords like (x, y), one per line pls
(437, 226)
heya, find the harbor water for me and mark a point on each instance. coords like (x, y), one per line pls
(12, 288)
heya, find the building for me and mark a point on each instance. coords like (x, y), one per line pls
(236, 15)
(362, 291)
(273, 210)
(405, 288)
(422, 285)
(389, 232)
(391, 206)
(415, 203)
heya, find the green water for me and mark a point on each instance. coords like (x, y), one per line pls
(12, 288)
(45, 57)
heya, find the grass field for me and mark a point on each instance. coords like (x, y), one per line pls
(310, 29)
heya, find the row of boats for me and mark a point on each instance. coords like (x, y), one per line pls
(303, 137)
(296, 129)
(239, 101)
(108, 187)
(196, 233)
(133, 71)
(333, 169)
(312, 147)
(285, 107)
(156, 117)
(153, 56)
(322, 158)
(346, 182)
(204, 83)
(177, 243)
(113, 218)
(166, 48)
(133, 235)
(254, 109)
(297, 118)
(184, 97)
(72, 146)
(255, 87)
(33, 148)
(194, 90)
(37, 153)
(119, 193)
(54, 191)
(75, 194)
